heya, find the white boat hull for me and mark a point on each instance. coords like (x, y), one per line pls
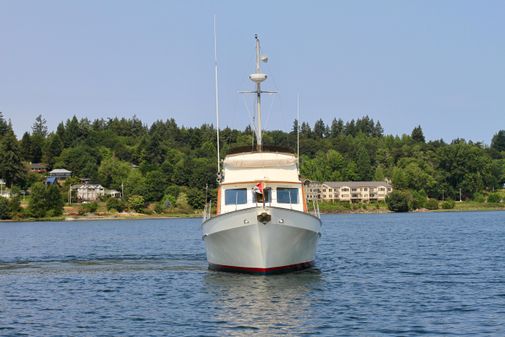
(239, 241)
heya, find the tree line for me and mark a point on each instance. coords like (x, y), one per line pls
(162, 160)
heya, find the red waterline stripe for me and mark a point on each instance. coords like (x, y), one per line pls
(292, 267)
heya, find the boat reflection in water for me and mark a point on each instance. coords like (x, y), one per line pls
(259, 305)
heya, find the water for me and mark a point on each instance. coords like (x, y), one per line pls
(376, 275)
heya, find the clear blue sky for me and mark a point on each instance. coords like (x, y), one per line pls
(440, 64)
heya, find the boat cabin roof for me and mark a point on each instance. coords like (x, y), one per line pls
(260, 166)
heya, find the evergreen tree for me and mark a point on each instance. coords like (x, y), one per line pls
(38, 203)
(378, 131)
(498, 142)
(417, 135)
(54, 201)
(26, 147)
(337, 127)
(4, 126)
(39, 128)
(319, 129)
(11, 167)
(295, 128)
(53, 149)
(363, 164)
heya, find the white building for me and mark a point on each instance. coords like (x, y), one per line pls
(349, 190)
(60, 174)
(89, 192)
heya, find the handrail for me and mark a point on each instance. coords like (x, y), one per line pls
(207, 211)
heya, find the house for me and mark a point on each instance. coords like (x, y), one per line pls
(38, 168)
(352, 191)
(113, 193)
(60, 174)
(89, 192)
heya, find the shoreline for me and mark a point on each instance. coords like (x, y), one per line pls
(140, 216)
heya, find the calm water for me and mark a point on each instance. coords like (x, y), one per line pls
(377, 275)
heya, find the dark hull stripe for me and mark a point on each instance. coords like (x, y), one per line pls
(262, 271)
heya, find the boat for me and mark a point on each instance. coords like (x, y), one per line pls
(262, 224)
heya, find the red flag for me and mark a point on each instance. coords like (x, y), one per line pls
(259, 188)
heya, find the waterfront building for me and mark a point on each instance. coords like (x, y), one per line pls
(352, 191)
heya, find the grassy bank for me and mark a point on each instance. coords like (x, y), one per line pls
(381, 207)
(74, 212)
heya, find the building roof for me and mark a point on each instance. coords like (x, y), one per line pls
(90, 186)
(355, 184)
(60, 171)
(38, 165)
(51, 180)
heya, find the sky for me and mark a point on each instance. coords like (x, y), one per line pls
(438, 64)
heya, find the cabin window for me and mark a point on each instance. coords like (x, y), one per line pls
(237, 196)
(287, 195)
(267, 196)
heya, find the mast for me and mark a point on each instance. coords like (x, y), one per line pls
(257, 78)
(217, 97)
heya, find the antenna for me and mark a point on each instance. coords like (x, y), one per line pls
(298, 130)
(217, 98)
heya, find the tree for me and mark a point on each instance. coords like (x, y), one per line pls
(4, 209)
(113, 172)
(136, 202)
(155, 185)
(363, 164)
(4, 126)
(399, 201)
(81, 160)
(379, 173)
(11, 166)
(26, 147)
(337, 127)
(53, 149)
(498, 141)
(182, 201)
(39, 128)
(417, 134)
(319, 129)
(54, 201)
(37, 204)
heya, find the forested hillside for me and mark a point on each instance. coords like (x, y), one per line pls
(163, 159)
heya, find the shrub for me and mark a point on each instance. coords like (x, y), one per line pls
(399, 201)
(431, 204)
(117, 204)
(88, 208)
(493, 198)
(478, 197)
(136, 203)
(448, 204)
(182, 201)
(419, 199)
(4, 208)
(159, 207)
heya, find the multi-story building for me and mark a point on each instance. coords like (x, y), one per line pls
(356, 191)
